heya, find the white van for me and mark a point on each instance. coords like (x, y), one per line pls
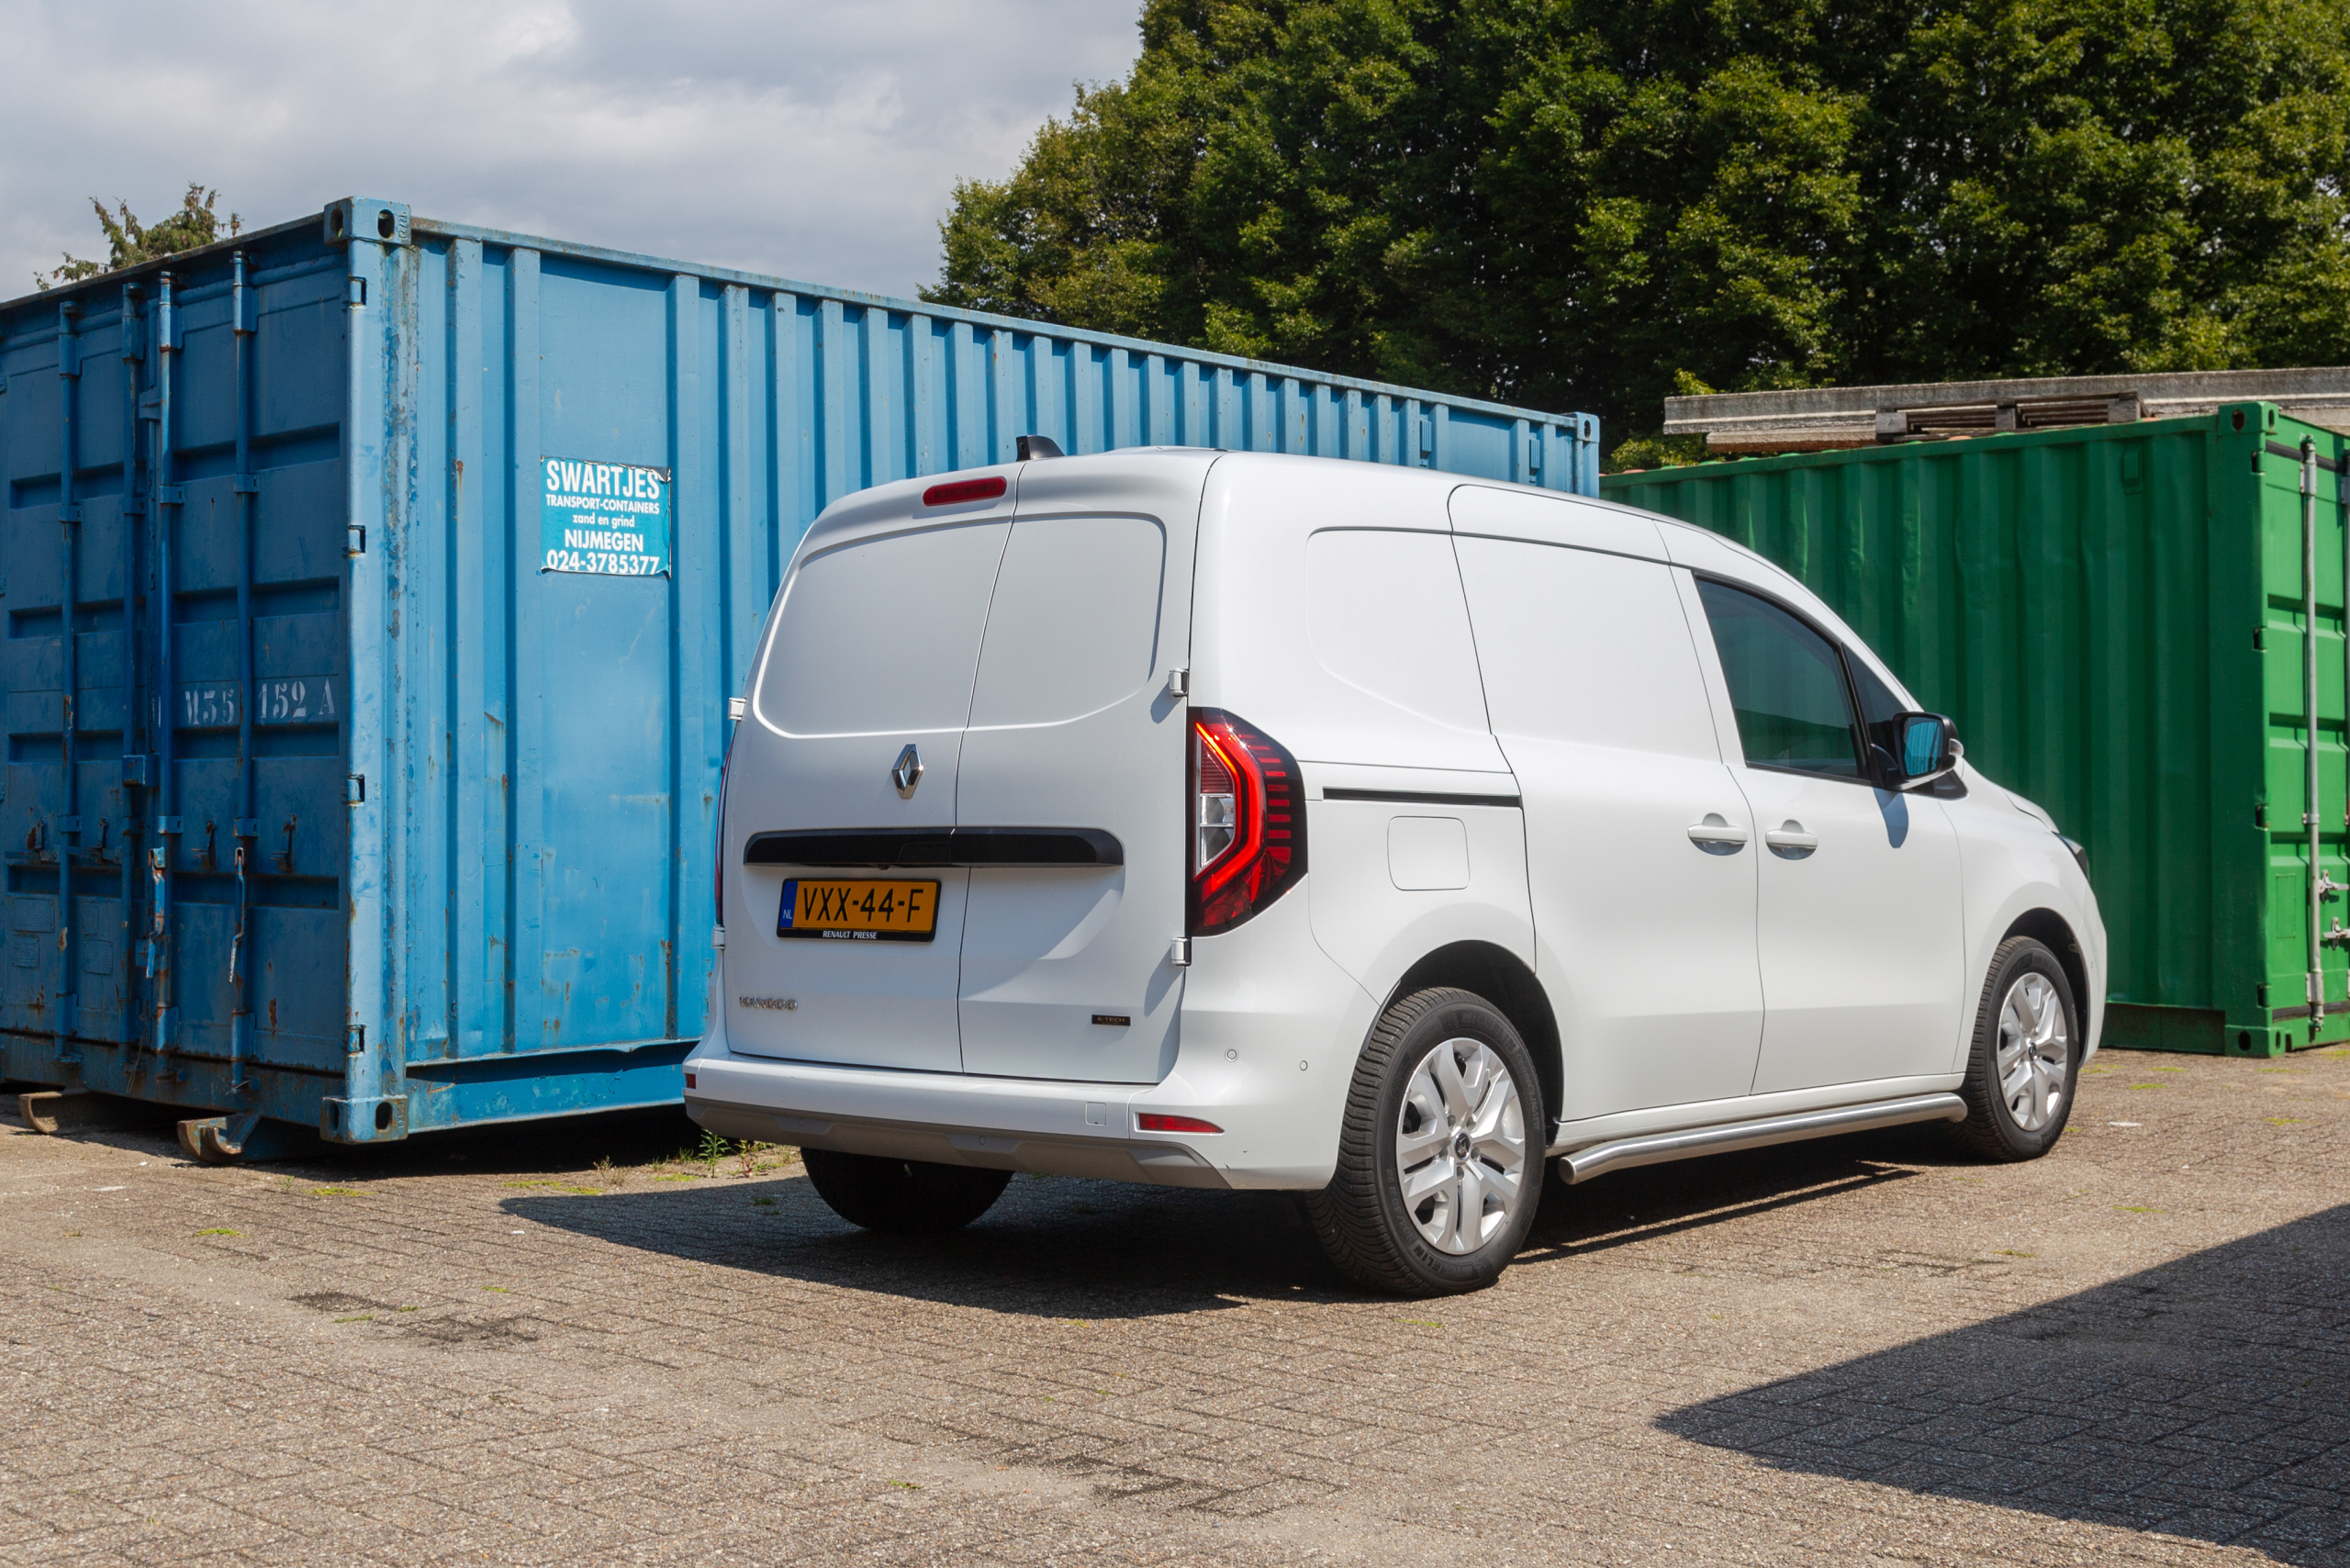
(1232, 821)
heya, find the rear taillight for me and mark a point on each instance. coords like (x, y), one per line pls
(1247, 822)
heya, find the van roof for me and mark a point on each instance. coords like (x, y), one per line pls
(897, 498)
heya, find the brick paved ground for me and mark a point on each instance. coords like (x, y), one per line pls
(485, 1351)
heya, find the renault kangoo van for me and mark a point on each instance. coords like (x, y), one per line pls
(1230, 821)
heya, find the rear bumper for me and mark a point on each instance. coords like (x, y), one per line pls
(1269, 1032)
(1056, 1130)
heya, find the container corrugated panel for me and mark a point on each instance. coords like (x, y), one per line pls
(2115, 616)
(392, 799)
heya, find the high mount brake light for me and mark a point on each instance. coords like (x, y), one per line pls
(959, 490)
(1247, 822)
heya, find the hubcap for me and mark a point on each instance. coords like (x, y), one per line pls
(2034, 1050)
(1461, 1146)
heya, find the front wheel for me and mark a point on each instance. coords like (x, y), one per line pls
(2025, 1060)
(1441, 1156)
(902, 1197)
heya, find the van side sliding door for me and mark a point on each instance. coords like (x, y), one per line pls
(1639, 845)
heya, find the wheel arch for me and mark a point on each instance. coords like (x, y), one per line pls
(1501, 978)
(2055, 933)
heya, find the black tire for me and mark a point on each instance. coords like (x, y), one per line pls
(1992, 1128)
(902, 1197)
(1360, 1219)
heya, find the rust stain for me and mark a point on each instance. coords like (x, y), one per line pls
(273, 1016)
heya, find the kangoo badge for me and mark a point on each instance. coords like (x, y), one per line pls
(607, 519)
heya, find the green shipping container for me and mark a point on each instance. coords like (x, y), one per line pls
(2118, 618)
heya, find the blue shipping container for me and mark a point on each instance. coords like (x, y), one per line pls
(409, 568)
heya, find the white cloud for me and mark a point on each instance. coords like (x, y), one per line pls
(817, 141)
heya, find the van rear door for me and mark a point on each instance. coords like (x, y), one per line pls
(870, 655)
(1072, 776)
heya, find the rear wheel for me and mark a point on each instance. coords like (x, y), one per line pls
(1440, 1159)
(902, 1197)
(2025, 1059)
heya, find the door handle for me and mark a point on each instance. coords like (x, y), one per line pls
(1789, 838)
(1717, 837)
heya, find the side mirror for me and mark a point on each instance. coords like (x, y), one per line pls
(1915, 750)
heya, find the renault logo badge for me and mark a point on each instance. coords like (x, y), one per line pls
(907, 772)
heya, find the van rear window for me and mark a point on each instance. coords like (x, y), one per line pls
(881, 635)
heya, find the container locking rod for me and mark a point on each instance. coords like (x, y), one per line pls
(2310, 811)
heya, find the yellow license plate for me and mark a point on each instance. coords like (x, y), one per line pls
(841, 910)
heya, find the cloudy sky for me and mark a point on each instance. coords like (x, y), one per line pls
(817, 141)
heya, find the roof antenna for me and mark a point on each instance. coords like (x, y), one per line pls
(1033, 448)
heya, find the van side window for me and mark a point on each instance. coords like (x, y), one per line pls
(1878, 702)
(1787, 685)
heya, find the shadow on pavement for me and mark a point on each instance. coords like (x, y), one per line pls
(1050, 1247)
(2206, 1398)
(1062, 1248)
(1651, 1201)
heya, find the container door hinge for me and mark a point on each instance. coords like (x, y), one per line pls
(355, 789)
(356, 295)
(355, 541)
(355, 1038)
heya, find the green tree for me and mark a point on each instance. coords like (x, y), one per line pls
(129, 242)
(1579, 204)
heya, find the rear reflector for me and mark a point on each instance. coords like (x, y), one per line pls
(961, 491)
(689, 1081)
(1152, 1122)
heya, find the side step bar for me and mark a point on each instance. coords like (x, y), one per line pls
(1657, 1148)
